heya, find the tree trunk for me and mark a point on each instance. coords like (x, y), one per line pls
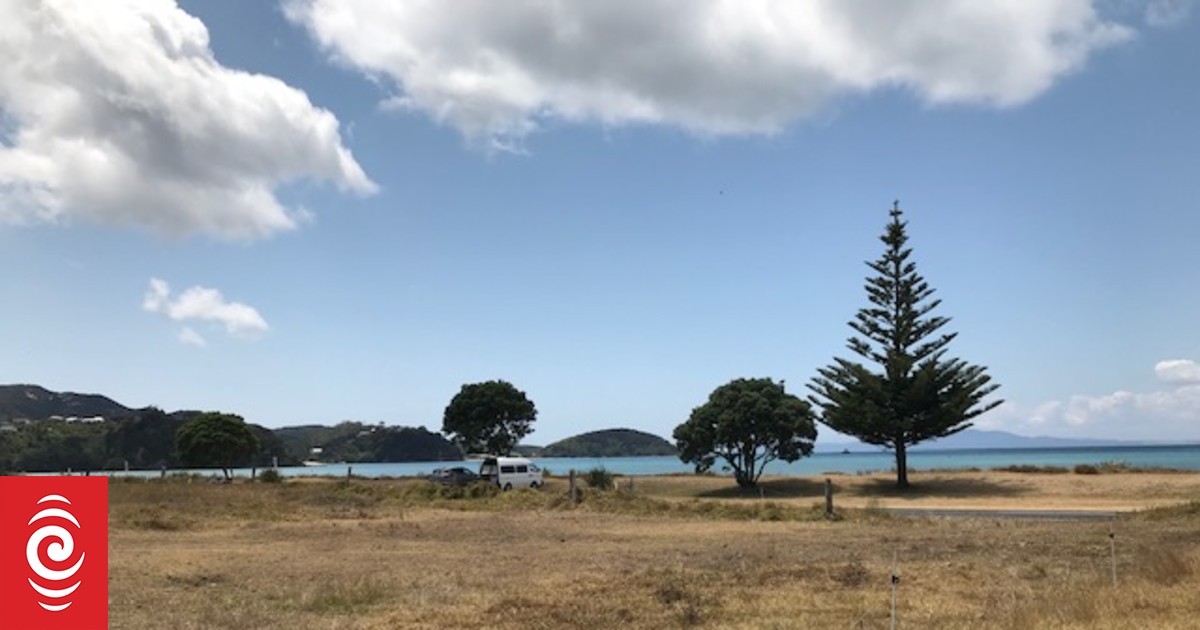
(901, 464)
(744, 472)
(744, 478)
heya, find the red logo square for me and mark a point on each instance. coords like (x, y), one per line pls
(53, 553)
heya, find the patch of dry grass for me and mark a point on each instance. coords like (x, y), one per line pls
(397, 553)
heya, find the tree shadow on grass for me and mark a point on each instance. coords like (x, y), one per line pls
(957, 487)
(780, 488)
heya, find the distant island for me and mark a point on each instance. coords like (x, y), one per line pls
(610, 443)
(973, 439)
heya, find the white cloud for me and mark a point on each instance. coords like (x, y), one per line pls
(117, 112)
(496, 70)
(203, 304)
(1178, 371)
(1163, 415)
(190, 337)
(1166, 13)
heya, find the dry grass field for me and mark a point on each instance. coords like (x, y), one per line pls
(672, 552)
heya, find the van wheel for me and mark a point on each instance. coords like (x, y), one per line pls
(534, 485)
(507, 487)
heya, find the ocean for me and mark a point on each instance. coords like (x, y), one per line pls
(1181, 457)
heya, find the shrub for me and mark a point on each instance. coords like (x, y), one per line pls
(599, 478)
(1086, 469)
(1114, 467)
(270, 475)
(1029, 468)
(481, 490)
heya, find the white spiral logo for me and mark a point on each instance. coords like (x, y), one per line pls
(59, 551)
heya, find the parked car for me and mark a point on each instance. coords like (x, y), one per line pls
(511, 472)
(456, 476)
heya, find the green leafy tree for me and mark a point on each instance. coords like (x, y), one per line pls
(488, 417)
(915, 393)
(748, 423)
(215, 439)
(145, 439)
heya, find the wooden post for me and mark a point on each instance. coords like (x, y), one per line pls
(895, 584)
(828, 498)
(574, 491)
(253, 470)
(349, 473)
(1112, 544)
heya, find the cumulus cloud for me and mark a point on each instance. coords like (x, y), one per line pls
(190, 337)
(496, 70)
(117, 112)
(204, 305)
(1178, 371)
(1164, 415)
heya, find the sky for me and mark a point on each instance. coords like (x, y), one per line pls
(309, 211)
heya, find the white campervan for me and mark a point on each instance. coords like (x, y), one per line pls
(511, 472)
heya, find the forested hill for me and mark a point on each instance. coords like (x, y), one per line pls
(610, 443)
(358, 442)
(41, 430)
(38, 403)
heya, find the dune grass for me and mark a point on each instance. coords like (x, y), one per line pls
(671, 552)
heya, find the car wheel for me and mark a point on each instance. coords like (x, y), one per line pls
(507, 487)
(534, 485)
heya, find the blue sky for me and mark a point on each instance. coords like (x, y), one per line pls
(314, 211)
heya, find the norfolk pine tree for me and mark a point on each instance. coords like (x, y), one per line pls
(917, 394)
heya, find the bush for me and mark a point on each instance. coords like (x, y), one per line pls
(1114, 467)
(270, 475)
(599, 478)
(481, 490)
(1086, 469)
(1029, 468)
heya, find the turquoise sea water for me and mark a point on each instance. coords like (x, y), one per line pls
(1177, 457)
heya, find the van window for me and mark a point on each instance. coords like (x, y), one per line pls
(522, 468)
(506, 470)
(487, 469)
(534, 468)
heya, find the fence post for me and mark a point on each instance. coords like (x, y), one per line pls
(1112, 544)
(895, 584)
(349, 473)
(253, 471)
(574, 491)
(828, 498)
